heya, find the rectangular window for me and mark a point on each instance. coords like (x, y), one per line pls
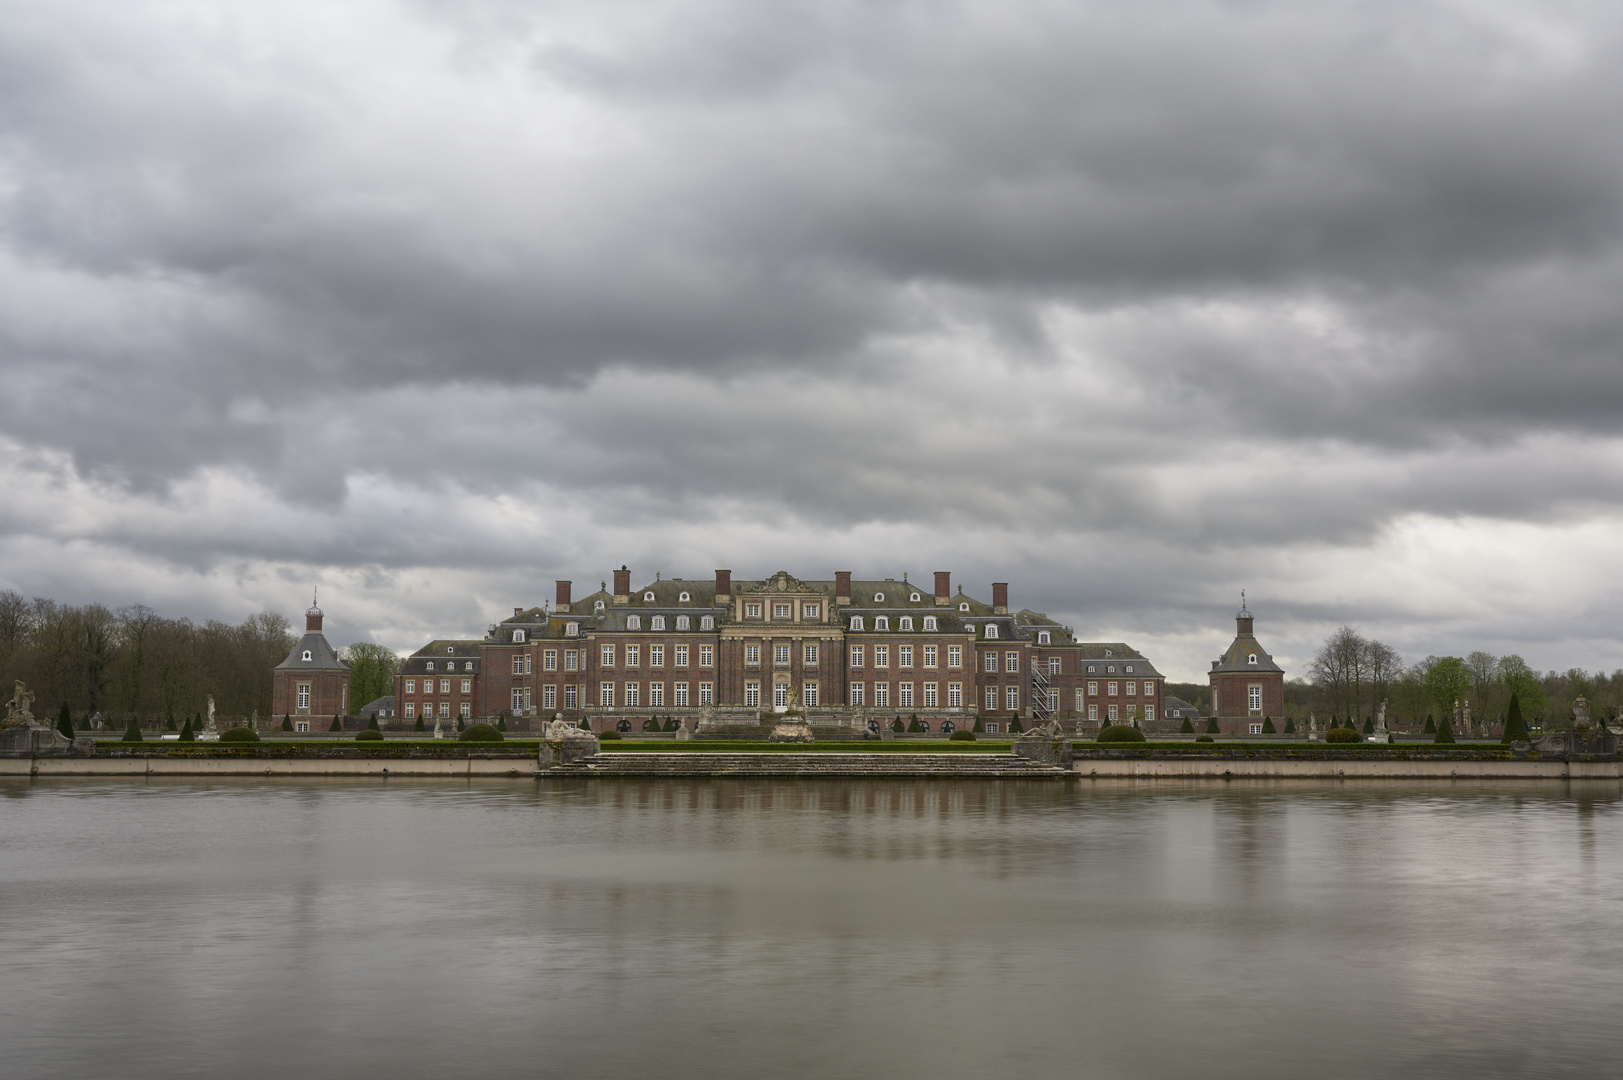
(991, 729)
(411, 709)
(752, 655)
(1254, 693)
(1011, 698)
(467, 686)
(303, 725)
(752, 694)
(680, 693)
(518, 664)
(856, 656)
(1149, 689)
(780, 655)
(1256, 729)
(856, 693)
(633, 695)
(780, 695)
(809, 695)
(1053, 700)
(681, 656)
(1093, 689)
(781, 611)
(929, 622)
(656, 695)
(904, 695)
(411, 686)
(1093, 712)
(929, 695)
(466, 710)
(445, 686)
(656, 656)
(571, 660)
(529, 661)
(881, 695)
(810, 655)
(657, 622)
(881, 656)
(955, 656)
(811, 611)
(633, 655)
(549, 660)
(707, 656)
(1080, 703)
(549, 697)
(904, 656)
(991, 699)
(990, 661)
(752, 611)
(1132, 688)
(608, 656)
(929, 656)
(707, 693)
(1011, 661)
(1112, 711)
(955, 695)
(1053, 665)
(571, 697)
(605, 695)
(1110, 688)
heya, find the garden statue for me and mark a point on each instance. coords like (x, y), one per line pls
(209, 724)
(17, 714)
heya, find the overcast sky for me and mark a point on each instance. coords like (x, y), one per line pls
(430, 302)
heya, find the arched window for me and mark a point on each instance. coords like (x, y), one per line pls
(572, 629)
(914, 597)
(598, 606)
(657, 622)
(683, 622)
(1042, 637)
(648, 598)
(948, 727)
(905, 622)
(1129, 669)
(924, 724)
(963, 605)
(881, 622)
(1110, 669)
(468, 666)
(991, 631)
(856, 622)
(429, 666)
(624, 725)
(707, 622)
(879, 598)
(450, 650)
(1252, 659)
(929, 622)
(633, 622)
(518, 637)
(307, 654)
(684, 598)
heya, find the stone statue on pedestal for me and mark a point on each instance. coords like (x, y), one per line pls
(20, 732)
(1380, 734)
(17, 714)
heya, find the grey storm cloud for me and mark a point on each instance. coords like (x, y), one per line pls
(415, 285)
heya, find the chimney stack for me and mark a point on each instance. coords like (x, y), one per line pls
(1000, 597)
(622, 586)
(943, 588)
(724, 586)
(518, 611)
(561, 599)
(842, 586)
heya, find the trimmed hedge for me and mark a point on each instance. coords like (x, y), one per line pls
(480, 733)
(1203, 738)
(239, 734)
(1120, 733)
(608, 736)
(962, 735)
(369, 735)
(1342, 735)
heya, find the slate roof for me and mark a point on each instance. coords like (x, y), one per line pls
(383, 706)
(1238, 657)
(322, 656)
(1115, 652)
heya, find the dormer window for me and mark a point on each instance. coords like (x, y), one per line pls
(1252, 658)
(429, 666)
(905, 623)
(914, 597)
(598, 606)
(450, 650)
(1129, 669)
(1109, 653)
(468, 666)
(1110, 669)
(657, 622)
(879, 598)
(572, 629)
(1042, 637)
(856, 622)
(963, 605)
(707, 622)
(929, 622)
(684, 598)
(518, 637)
(1093, 669)
(648, 598)
(307, 654)
(991, 631)
(683, 622)
(881, 622)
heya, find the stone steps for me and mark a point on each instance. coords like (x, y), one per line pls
(831, 765)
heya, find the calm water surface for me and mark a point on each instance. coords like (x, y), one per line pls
(763, 928)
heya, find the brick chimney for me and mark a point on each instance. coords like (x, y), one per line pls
(622, 586)
(1000, 597)
(842, 586)
(724, 586)
(561, 599)
(943, 588)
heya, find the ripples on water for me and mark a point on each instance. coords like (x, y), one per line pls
(760, 928)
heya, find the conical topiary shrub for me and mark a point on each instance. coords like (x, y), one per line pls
(1515, 726)
(337, 725)
(1431, 725)
(64, 720)
(169, 719)
(1445, 731)
(1290, 725)
(371, 723)
(670, 724)
(1268, 726)
(1212, 728)
(978, 727)
(186, 732)
(1369, 725)
(1014, 726)
(914, 727)
(287, 722)
(1188, 728)
(501, 723)
(132, 731)
(419, 726)
(896, 725)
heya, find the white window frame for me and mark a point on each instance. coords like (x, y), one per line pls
(856, 624)
(518, 637)
(633, 656)
(707, 622)
(955, 656)
(606, 656)
(679, 695)
(991, 631)
(955, 695)
(931, 695)
(633, 696)
(707, 693)
(856, 694)
(930, 622)
(605, 695)
(780, 655)
(656, 695)
(881, 656)
(991, 699)
(1011, 699)
(707, 656)
(633, 622)
(656, 656)
(809, 655)
(752, 655)
(656, 622)
(683, 622)
(904, 695)
(881, 695)
(904, 656)
(856, 656)
(752, 693)
(808, 695)
(881, 622)
(681, 656)
(780, 695)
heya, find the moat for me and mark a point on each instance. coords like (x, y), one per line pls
(674, 927)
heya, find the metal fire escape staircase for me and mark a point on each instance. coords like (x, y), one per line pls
(1040, 712)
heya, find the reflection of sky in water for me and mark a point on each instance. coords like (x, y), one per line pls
(781, 928)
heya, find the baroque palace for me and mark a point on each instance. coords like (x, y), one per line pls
(849, 654)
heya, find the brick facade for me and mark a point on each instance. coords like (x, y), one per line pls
(1248, 688)
(311, 686)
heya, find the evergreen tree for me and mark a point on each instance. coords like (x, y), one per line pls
(501, 723)
(1445, 731)
(169, 718)
(671, 724)
(186, 732)
(1431, 725)
(1515, 726)
(896, 725)
(1188, 728)
(64, 720)
(1369, 725)
(371, 723)
(1290, 725)
(419, 726)
(132, 731)
(287, 722)
(978, 728)
(1268, 726)
(337, 725)
(1212, 728)
(914, 726)
(459, 724)
(1014, 726)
